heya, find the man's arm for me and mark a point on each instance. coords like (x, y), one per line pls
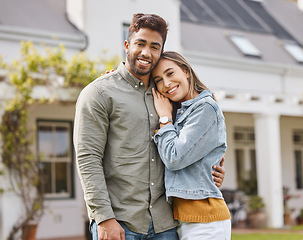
(219, 174)
(90, 137)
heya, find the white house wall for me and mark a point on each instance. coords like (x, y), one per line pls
(10, 38)
(11, 207)
(103, 22)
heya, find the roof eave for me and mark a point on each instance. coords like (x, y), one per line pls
(12, 33)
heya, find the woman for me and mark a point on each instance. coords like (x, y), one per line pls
(189, 148)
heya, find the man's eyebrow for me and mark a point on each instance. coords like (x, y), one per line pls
(141, 40)
(144, 41)
(156, 43)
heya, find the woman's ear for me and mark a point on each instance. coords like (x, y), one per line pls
(186, 72)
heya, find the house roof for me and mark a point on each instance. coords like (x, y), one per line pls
(40, 20)
(36, 14)
(207, 26)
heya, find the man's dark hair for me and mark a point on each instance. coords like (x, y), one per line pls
(150, 21)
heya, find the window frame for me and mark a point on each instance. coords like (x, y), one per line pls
(245, 146)
(70, 178)
(298, 163)
(294, 50)
(246, 47)
(125, 27)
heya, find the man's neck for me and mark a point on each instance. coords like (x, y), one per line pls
(142, 78)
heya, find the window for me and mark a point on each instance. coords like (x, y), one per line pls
(298, 152)
(55, 153)
(295, 51)
(245, 46)
(245, 155)
(124, 35)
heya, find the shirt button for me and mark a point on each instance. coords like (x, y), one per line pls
(150, 206)
(141, 83)
(181, 111)
(152, 184)
(151, 115)
(136, 87)
(153, 160)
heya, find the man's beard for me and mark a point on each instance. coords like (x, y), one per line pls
(132, 64)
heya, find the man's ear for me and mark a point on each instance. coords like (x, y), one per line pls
(126, 46)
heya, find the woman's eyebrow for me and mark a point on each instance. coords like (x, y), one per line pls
(168, 69)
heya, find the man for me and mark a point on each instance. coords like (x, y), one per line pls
(118, 163)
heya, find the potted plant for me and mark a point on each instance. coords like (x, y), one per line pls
(256, 215)
(300, 217)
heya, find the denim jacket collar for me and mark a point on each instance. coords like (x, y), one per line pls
(188, 103)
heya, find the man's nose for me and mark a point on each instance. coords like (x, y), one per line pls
(145, 52)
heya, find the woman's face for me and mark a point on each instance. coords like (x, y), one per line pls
(171, 81)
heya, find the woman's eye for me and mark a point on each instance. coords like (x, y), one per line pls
(170, 73)
(158, 80)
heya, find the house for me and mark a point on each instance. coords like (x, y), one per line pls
(248, 52)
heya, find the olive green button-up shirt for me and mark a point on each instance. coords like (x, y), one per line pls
(119, 167)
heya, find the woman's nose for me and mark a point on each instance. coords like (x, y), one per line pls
(166, 82)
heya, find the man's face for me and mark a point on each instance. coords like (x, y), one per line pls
(143, 52)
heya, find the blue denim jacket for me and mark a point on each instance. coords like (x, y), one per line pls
(190, 148)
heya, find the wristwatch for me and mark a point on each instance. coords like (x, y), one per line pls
(165, 120)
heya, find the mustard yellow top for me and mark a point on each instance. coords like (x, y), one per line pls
(203, 211)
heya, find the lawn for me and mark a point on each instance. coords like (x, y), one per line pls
(267, 236)
(295, 233)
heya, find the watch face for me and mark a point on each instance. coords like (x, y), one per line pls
(164, 119)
